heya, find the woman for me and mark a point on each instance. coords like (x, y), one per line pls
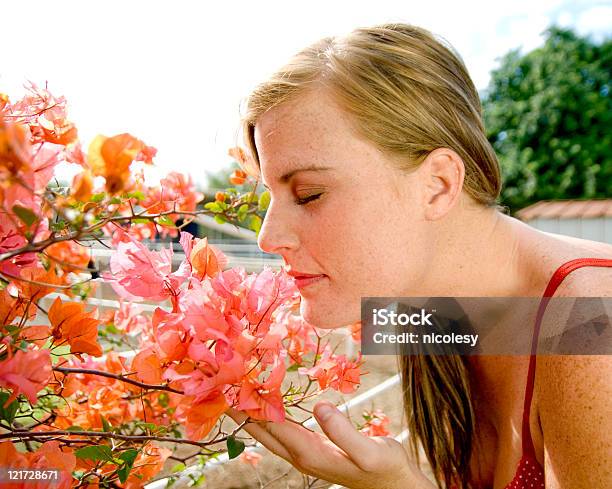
(384, 184)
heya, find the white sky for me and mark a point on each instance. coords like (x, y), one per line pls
(175, 73)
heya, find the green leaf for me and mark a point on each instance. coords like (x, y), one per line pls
(165, 221)
(95, 453)
(136, 195)
(98, 197)
(242, 212)
(234, 447)
(220, 219)
(128, 458)
(178, 468)
(58, 226)
(255, 223)
(213, 206)
(75, 428)
(140, 220)
(251, 198)
(264, 201)
(147, 426)
(9, 412)
(163, 399)
(26, 215)
(105, 424)
(293, 368)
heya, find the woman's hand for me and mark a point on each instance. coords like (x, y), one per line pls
(344, 456)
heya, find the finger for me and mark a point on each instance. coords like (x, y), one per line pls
(308, 451)
(259, 432)
(363, 451)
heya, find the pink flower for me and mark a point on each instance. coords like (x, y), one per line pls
(264, 400)
(335, 371)
(25, 372)
(250, 457)
(213, 371)
(137, 273)
(267, 291)
(376, 423)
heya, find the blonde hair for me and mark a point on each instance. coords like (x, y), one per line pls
(408, 93)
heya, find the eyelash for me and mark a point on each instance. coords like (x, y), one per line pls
(308, 199)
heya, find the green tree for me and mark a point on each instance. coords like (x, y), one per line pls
(548, 114)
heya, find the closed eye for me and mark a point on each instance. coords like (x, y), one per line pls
(305, 200)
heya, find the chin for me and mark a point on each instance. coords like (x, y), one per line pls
(324, 318)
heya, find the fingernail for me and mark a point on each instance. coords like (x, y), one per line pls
(325, 411)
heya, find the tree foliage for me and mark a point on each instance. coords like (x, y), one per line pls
(548, 115)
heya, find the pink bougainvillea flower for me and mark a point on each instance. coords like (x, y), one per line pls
(171, 335)
(212, 371)
(336, 372)
(376, 423)
(346, 374)
(267, 290)
(263, 400)
(137, 273)
(51, 457)
(129, 318)
(25, 372)
(250, 457)
(203, 314)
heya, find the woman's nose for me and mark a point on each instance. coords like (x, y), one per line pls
(277, 234)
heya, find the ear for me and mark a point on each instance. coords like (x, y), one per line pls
(443, 173)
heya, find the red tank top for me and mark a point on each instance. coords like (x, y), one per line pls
(529, 473)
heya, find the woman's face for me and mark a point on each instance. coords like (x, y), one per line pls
(355, 221)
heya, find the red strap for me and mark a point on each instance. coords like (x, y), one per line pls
(561, 272)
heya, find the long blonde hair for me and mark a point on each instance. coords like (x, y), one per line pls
(408, 93)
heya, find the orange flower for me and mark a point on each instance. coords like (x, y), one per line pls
(147, 464)
(200, 418)
(245, 161)
(111, 158)
(82, 186)
(70, 323)
(147, 366)
(69, 253)
(238, 177)
(15, 152)
(205, 259)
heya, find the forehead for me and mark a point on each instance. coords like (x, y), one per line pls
(310, 129)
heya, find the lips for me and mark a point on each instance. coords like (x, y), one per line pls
(303, 279)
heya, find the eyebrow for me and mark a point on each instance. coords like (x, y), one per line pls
(287, 176)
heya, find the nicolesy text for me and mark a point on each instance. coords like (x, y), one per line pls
(384, 317)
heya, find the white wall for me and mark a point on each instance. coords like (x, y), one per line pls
(597, 229)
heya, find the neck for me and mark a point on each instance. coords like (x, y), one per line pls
(475, 253)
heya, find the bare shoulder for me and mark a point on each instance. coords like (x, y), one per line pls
(574, 391)
(574, 412)
(587, 281)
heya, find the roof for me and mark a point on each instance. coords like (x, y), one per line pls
(567, 209)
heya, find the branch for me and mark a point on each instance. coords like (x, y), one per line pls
(106, 434)
(121, 377)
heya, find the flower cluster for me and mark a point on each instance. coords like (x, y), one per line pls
(220, 337)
